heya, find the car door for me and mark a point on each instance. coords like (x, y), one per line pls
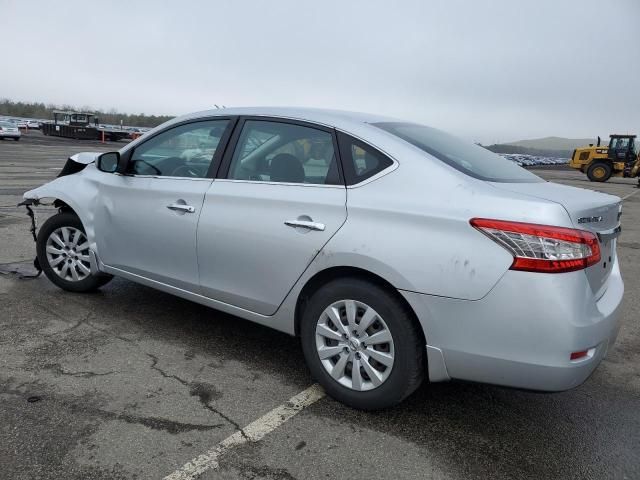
(146, 219)
(277, 201)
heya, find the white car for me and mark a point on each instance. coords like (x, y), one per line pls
(9, 130)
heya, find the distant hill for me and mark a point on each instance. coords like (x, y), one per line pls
(544, 147)
(539, 152)
(554, 143)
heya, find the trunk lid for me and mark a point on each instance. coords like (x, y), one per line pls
(588, 210)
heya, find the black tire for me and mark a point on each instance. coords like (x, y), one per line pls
(65, 219)
(16, 138)
(409, 358)
(599, 171)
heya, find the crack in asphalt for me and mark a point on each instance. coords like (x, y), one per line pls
(154, 423)
(251, 472)
(83, 321)
(57, 368)
(110, 334)
(202, 391)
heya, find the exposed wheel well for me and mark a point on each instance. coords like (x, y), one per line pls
(325, 276)
(63, 207)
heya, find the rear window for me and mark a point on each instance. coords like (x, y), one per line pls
(473, 160)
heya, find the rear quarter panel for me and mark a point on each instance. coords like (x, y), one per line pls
(412, 228)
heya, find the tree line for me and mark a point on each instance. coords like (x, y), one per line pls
(41, 111)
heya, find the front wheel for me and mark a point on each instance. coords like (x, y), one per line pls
(362, 344)
(599, 172)
(63, 254)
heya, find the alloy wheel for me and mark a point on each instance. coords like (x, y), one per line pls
(67, 251)
(355, 345)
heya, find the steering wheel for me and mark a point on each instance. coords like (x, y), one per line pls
(191, 171)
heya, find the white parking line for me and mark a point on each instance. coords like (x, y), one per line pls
(253, 432)
(631, 194)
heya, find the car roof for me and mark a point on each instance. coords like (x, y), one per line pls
(332, 118)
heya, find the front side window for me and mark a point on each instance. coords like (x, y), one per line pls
(183, 151)
(473, 160)
(621, 144)
(270, 151)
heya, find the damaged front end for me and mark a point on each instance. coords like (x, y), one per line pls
(65, 188)
(67, 191)
(33, 229)
(76, 163)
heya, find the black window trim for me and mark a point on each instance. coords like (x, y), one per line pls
(125, 158)
(225, 165)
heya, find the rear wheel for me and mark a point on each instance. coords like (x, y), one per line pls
(362, 344)
(16, 138)
(63, 254)
(599, 172)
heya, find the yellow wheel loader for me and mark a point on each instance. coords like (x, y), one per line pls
(620, 159)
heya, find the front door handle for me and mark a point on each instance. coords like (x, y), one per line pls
(181, 207)
(305, 224)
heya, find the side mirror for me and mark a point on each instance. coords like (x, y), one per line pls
(108, 162)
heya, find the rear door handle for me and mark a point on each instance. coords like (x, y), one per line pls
(181, 207)
(305, 224)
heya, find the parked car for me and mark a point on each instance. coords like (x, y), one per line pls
(33, 124)
(9, 130)
(393, 250)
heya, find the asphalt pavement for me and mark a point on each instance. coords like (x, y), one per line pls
(133, 383)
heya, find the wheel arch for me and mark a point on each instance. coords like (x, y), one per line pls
(331, 273)
(69, 193)
(63, 206)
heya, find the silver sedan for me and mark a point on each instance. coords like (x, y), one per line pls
(9, 130)
(395, 251)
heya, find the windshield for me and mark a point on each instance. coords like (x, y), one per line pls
(473, 160)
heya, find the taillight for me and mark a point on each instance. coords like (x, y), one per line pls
(542, 248)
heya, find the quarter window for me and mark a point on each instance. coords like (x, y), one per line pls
(360, 160)
(183, 151)
(269, 151)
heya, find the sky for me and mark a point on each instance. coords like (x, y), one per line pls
(489, 71)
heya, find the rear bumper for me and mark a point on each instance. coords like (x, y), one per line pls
(522, 333)
(10, 134)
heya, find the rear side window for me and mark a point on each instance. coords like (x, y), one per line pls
(360, 161)
(473, 160)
